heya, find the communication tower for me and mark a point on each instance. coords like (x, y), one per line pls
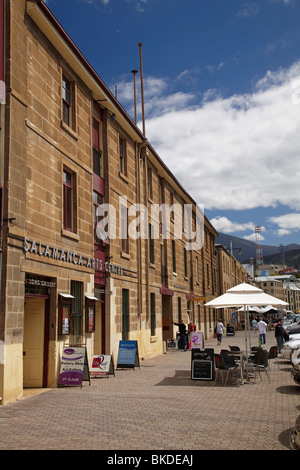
(259, 254)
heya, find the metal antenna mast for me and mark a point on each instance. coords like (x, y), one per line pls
(259, 255)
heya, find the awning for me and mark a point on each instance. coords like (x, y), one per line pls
(66, 296)
(91, 297)
(165, 291)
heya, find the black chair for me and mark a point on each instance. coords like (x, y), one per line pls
(220, 365)
(227, 363)
(261, 363)
(234, 348)
(273, 353)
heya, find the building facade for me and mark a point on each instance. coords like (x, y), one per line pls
(79, 181)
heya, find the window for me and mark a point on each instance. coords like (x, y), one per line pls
(125, 314)
(65, 309)
(69, 200)
(149, 181)
(207, 275)
(173, 256)
(76, 316)
(123, 156)
(124, 230)
(152, 309)
(185, 261)
(97, 153)
(151, 244)
(68, 97)
(97, 201)
(197, 273)
(90, 316)
(66, 101)
(179, 309)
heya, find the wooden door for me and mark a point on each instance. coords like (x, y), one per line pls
(33, 344)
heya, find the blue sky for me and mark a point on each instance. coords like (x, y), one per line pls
(222, 98)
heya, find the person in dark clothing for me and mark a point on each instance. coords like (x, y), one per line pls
(279, 334)
(182, 332)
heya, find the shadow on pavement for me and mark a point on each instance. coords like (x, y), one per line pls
(289, 390)
(183, 378)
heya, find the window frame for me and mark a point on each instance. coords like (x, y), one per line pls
(65, 327)
(179, 308)
(68, 101)
(97, 144)
(123, 229)
(173, 256)
(125, 314)
(151, 245)
(122, 155)
(77, 308)
(185, 262)
(150, 182)
(69, 201)
(152, 314)
(90, 313)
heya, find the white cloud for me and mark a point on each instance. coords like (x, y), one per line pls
(287, 223)
(223, 224)
(253, 237)
(232, 153)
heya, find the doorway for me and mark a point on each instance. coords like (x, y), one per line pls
(34, 343)
(99, 342)
(167, 317)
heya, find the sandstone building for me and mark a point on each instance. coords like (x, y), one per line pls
(68, 148)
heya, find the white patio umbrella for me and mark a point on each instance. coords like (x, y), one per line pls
(245, 295)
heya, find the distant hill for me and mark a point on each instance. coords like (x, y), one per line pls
(249, 251)
(291, 259)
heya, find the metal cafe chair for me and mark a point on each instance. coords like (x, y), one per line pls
(273, 353)
(227, 365)
(260, 363)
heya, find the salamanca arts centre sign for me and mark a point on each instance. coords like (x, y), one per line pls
(52, 252)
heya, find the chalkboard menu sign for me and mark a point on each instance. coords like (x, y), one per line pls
(203, 364)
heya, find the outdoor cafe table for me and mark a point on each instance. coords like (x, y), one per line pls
(243, 358)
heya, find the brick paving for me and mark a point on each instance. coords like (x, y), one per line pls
(158, 407)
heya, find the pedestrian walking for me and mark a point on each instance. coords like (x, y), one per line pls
(262, 328)
(182, 332)
(279, 334)
(219, 331)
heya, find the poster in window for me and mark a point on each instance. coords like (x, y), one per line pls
(65, 324)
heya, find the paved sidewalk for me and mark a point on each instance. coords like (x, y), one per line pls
(158, 407)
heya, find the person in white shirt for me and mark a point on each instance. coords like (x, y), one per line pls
(219, 331)
(262, 328)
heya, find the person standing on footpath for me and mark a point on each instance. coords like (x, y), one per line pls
(279, 334)
(182, 332)
(262, 328)
(219, 331)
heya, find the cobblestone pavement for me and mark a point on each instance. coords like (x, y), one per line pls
(158, 407)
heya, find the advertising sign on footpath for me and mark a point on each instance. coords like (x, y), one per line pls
(128, 357)
(102, 366)
(197, 341)
(74, 367)
(172, 344)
